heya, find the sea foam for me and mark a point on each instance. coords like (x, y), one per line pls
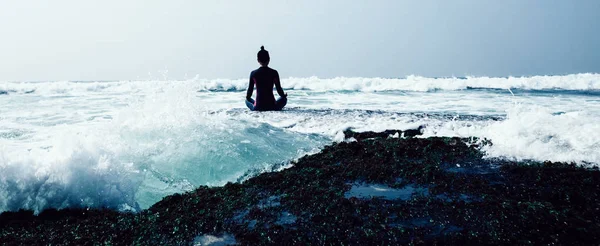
(574, 82)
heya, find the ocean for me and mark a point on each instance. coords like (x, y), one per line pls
(125, 145)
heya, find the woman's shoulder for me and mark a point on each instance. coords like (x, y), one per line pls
(263, 70)
(255, 71)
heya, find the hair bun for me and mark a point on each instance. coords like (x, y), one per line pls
(262, 47)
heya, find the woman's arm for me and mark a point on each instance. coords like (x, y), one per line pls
(250, 88)
(278, 87)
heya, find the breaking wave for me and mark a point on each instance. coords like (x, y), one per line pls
(574, 82)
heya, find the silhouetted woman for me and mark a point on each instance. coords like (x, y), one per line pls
(264, 78)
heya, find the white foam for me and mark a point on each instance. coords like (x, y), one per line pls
(418, 83)
(578, 82)
(529, 132)
(73, 173)
(538, 134)
(532, 133)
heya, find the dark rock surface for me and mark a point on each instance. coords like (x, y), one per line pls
(442, 192)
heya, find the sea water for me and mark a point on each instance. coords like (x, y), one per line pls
(127, 144)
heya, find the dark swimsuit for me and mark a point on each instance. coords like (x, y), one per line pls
(264, 78)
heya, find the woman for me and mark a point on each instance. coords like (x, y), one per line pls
(264, 78)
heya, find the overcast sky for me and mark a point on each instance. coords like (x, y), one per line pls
(142, 39)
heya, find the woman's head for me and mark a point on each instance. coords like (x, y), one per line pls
(263, 56)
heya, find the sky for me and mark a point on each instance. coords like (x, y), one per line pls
(76, 40)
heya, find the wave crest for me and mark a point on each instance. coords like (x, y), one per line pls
(571, 82)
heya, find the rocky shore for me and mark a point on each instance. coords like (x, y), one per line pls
(376, 188)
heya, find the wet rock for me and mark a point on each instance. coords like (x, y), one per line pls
(462, 199)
